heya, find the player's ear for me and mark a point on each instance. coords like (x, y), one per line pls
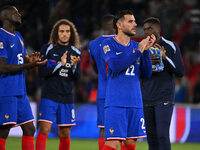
(118, 24)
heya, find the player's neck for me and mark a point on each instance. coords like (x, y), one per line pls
(123, 39)
(9, 27)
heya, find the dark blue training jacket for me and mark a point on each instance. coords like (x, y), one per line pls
(58, 79)
(161, 87)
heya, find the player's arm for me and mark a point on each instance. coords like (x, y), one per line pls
(75, 64)
(146, 66)
(9, 68)
(50, 67)
(92, 60)
(174, 61)
(76, 71)
(118, 61)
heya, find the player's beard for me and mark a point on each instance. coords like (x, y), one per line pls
(64, 42)
(129, 33)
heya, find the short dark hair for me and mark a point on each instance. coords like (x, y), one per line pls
(107, 18)
(152, 20)
(120, 15)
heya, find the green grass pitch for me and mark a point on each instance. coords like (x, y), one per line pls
(78, 144)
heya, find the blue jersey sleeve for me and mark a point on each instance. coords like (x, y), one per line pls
(118, 61)
(3, 45)
(50, 67)
(146, 66)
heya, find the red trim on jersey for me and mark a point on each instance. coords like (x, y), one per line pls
(24, 123)
(66, 125)
(107, 66)
(45, 121)
(119, 139)
(108, 35)
(101, 127)
(9, 123)
(139, 137)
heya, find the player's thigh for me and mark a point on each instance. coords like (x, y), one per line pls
(66, 115)
(149, 116)
(136, 123)
(100, 113)
(25, 114)
(47, 110)
(8, 110)
(163, 113)
(116, 123)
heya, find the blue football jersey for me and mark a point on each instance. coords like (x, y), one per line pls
(12, 48)
(125, 63)
(95, 55)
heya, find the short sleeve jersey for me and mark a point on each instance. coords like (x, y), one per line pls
(12, 48)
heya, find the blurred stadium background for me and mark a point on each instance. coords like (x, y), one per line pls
(180, 22)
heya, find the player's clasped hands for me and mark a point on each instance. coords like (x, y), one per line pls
(146, 43)
(73, 60)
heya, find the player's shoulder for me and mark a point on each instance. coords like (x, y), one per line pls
(169, 43)
(76, 50)
(46, 48)
(4, 33)
(108, 40)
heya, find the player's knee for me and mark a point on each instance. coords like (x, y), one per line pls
(28, 129)
(64, 132)
(113, 143)
(4, 131)
(45, 129)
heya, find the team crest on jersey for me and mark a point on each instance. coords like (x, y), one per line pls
(111, 131)
(7, 116)
(40, 114)
(133, 50)
(106, 49)
(1, 45)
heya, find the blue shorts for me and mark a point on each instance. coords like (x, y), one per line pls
(15, 110)
(63, 113)
(123, 123)
(100, 113)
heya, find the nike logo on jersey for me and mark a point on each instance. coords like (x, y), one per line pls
(55, 54)
(166, 103)
(118, 53)
(12, 45)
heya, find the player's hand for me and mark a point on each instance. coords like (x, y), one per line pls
(34, 57)
(64, 58)
(162, 49)
(75, 60)
(41, 62)
(150, 42)
(143, 43)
